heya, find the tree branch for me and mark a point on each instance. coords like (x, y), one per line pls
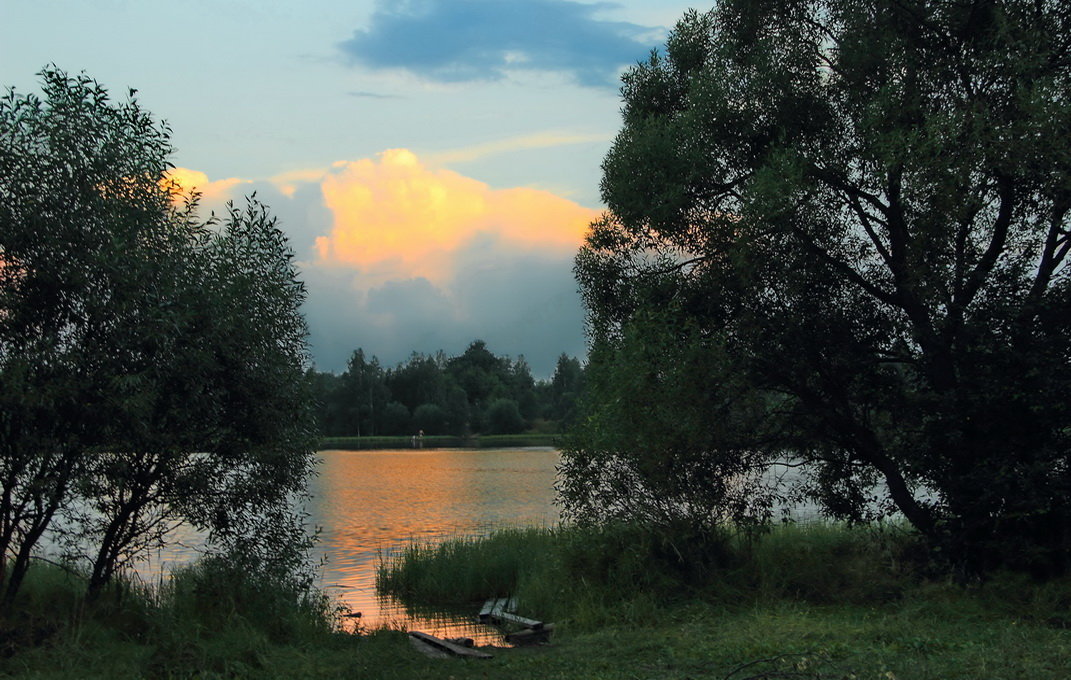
(996, 243)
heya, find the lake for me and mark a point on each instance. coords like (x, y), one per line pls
(370, 503)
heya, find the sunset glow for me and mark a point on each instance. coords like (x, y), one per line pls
(395, 210)
(188, 181)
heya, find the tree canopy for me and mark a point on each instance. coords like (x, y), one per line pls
(151, 364)
(837, 233)
(445, 395)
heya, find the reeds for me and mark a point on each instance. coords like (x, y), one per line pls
(591, 575)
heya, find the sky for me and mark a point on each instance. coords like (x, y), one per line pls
(435, 163)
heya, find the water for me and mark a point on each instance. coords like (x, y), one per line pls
(370, 503)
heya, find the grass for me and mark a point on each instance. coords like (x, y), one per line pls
(487, 441)
(817, 601)
(815, 563)
(207, 621)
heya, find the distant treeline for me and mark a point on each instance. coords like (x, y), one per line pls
(474, 393)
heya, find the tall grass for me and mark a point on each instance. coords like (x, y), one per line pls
(464, 570)
(208, 619)
(590, 576)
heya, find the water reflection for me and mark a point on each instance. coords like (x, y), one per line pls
(370, 503)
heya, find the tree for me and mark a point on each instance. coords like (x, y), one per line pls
(430, 418)
(396, 419)
(566, 386)
(136, 392)
(217, 430)
(504, 417)
(852, 215)
(77, 193)
(364, 394)
(418, 381)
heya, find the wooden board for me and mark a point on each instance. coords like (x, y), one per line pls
(488, 607)
(427, 649)
(456, 650)
(495, 606)
(531, 637)
(519, 620)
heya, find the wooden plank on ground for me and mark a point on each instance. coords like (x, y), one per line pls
(519, 620)
(427, 649)
(456, 650)
(531, 637)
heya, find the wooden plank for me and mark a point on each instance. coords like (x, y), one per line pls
(531, 637)
(520, 620)
(456, 650)
(428, 649)
(493, 607)
(488, 607)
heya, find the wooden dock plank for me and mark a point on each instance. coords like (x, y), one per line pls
(427, 649)
(531, 637)
(519, 620)
(445, 645)
(488, 607)
(495, 606)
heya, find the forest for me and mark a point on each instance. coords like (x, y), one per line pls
(476, 392)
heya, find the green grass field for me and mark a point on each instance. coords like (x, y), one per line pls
(820, 601)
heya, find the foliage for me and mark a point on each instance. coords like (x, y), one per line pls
(504, 417)
(208, 625)
(663, 405)
(850, 219)
(566, 388)
(137, 393)
(443, 395)
(588, 577)
(211, 619)
(463, 570)
(430, 419)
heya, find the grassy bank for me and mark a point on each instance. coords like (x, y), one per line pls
(801, 602)
(487, 441)
(206, 621)
(812, 601)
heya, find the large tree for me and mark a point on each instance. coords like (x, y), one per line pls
(851, 220)
(137, 391)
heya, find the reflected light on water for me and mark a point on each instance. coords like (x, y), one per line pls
(372, 503)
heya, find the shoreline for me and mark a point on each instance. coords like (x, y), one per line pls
(489, 441)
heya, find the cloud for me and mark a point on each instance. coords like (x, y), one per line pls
(517, 302)
(542, 140)
(364, 94)
(394, 217)
(401, 256)
(212, 192)
(466, 40)
(288, 182)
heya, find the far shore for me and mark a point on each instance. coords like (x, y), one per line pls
(488, 441)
